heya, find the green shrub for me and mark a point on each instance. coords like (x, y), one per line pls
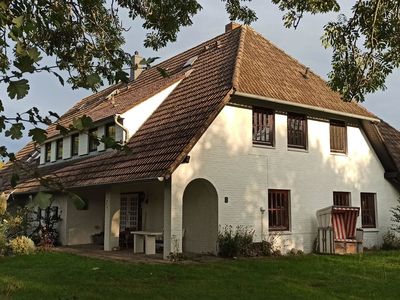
(390, 241)
(295, 251)
(22, 245)
(234, 243)
(3, 240)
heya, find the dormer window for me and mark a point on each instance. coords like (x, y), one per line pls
(75, 144)
(110, 131)
(47, 152)
(93, 140)
(59, 149)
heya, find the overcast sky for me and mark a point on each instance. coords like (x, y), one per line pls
(303, 44)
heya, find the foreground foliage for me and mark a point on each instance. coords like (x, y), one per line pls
(365, 44)
(65, 276)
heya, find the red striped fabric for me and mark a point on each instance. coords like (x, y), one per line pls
(339, 227)
(344, 222)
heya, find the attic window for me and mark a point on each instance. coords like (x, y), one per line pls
(59, 149)
(47, 152)
(75, 144)
(190, 62)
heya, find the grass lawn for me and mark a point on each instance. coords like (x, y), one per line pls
(67, 276)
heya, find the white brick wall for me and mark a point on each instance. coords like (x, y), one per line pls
(242, 172)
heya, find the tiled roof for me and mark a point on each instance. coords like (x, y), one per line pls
(238, 60)
(99, 106)
(391, 139)
(158, 146)
(265, 70)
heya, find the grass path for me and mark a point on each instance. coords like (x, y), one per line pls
(67, 276)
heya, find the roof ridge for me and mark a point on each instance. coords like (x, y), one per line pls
(239, 55)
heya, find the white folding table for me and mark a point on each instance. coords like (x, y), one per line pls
(145, 241)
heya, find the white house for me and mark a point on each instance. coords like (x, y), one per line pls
(239, 133)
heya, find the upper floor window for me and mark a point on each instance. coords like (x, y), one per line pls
(93, 141)
(338, 136)
(341, 198)
(368, 210)
(47, 152)
(110, 132)
(59, 149)
(263, 126)
(278, 210)
(297, 131)
(75, 144)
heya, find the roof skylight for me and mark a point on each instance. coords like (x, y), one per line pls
(190, 61)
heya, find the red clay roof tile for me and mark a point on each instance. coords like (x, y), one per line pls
(244, 60)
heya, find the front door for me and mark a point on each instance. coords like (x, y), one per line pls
(130, 212)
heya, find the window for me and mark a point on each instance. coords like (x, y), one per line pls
(338, 136)
(93, 141)
(75, 144)
(278, 210)
(297, 131)
(110, 133)
(263, 126)
(368, 210)
(47, 152)
(341, 198)
(59, 149)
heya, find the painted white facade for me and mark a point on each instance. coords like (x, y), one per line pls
(243, 172)
(136, 116)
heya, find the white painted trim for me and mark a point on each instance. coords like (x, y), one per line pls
(285, 102)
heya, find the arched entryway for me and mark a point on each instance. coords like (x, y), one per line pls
(200, 217)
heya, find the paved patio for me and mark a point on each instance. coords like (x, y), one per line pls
(127, 255)
(96, 251)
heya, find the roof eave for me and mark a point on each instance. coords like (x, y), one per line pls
(325, 110)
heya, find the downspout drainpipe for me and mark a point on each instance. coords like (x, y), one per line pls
(116, 116)
(262, 210)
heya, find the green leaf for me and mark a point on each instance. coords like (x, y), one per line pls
(63, 130)
(15, 131)
(82, 123)
(59, 77)
(18, 21)
(93, 79)
(34, 54)
(18, 89)
(25, 64)
(78, 202)
(14, 179)
(39, 135)
(3, 203)
(163, 72)
(42, 200)
(1, 106)
(20, 48)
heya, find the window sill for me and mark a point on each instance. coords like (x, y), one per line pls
(279, 232)
(338, 154)
(370, 229)
(298, 150)
(263, 146)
